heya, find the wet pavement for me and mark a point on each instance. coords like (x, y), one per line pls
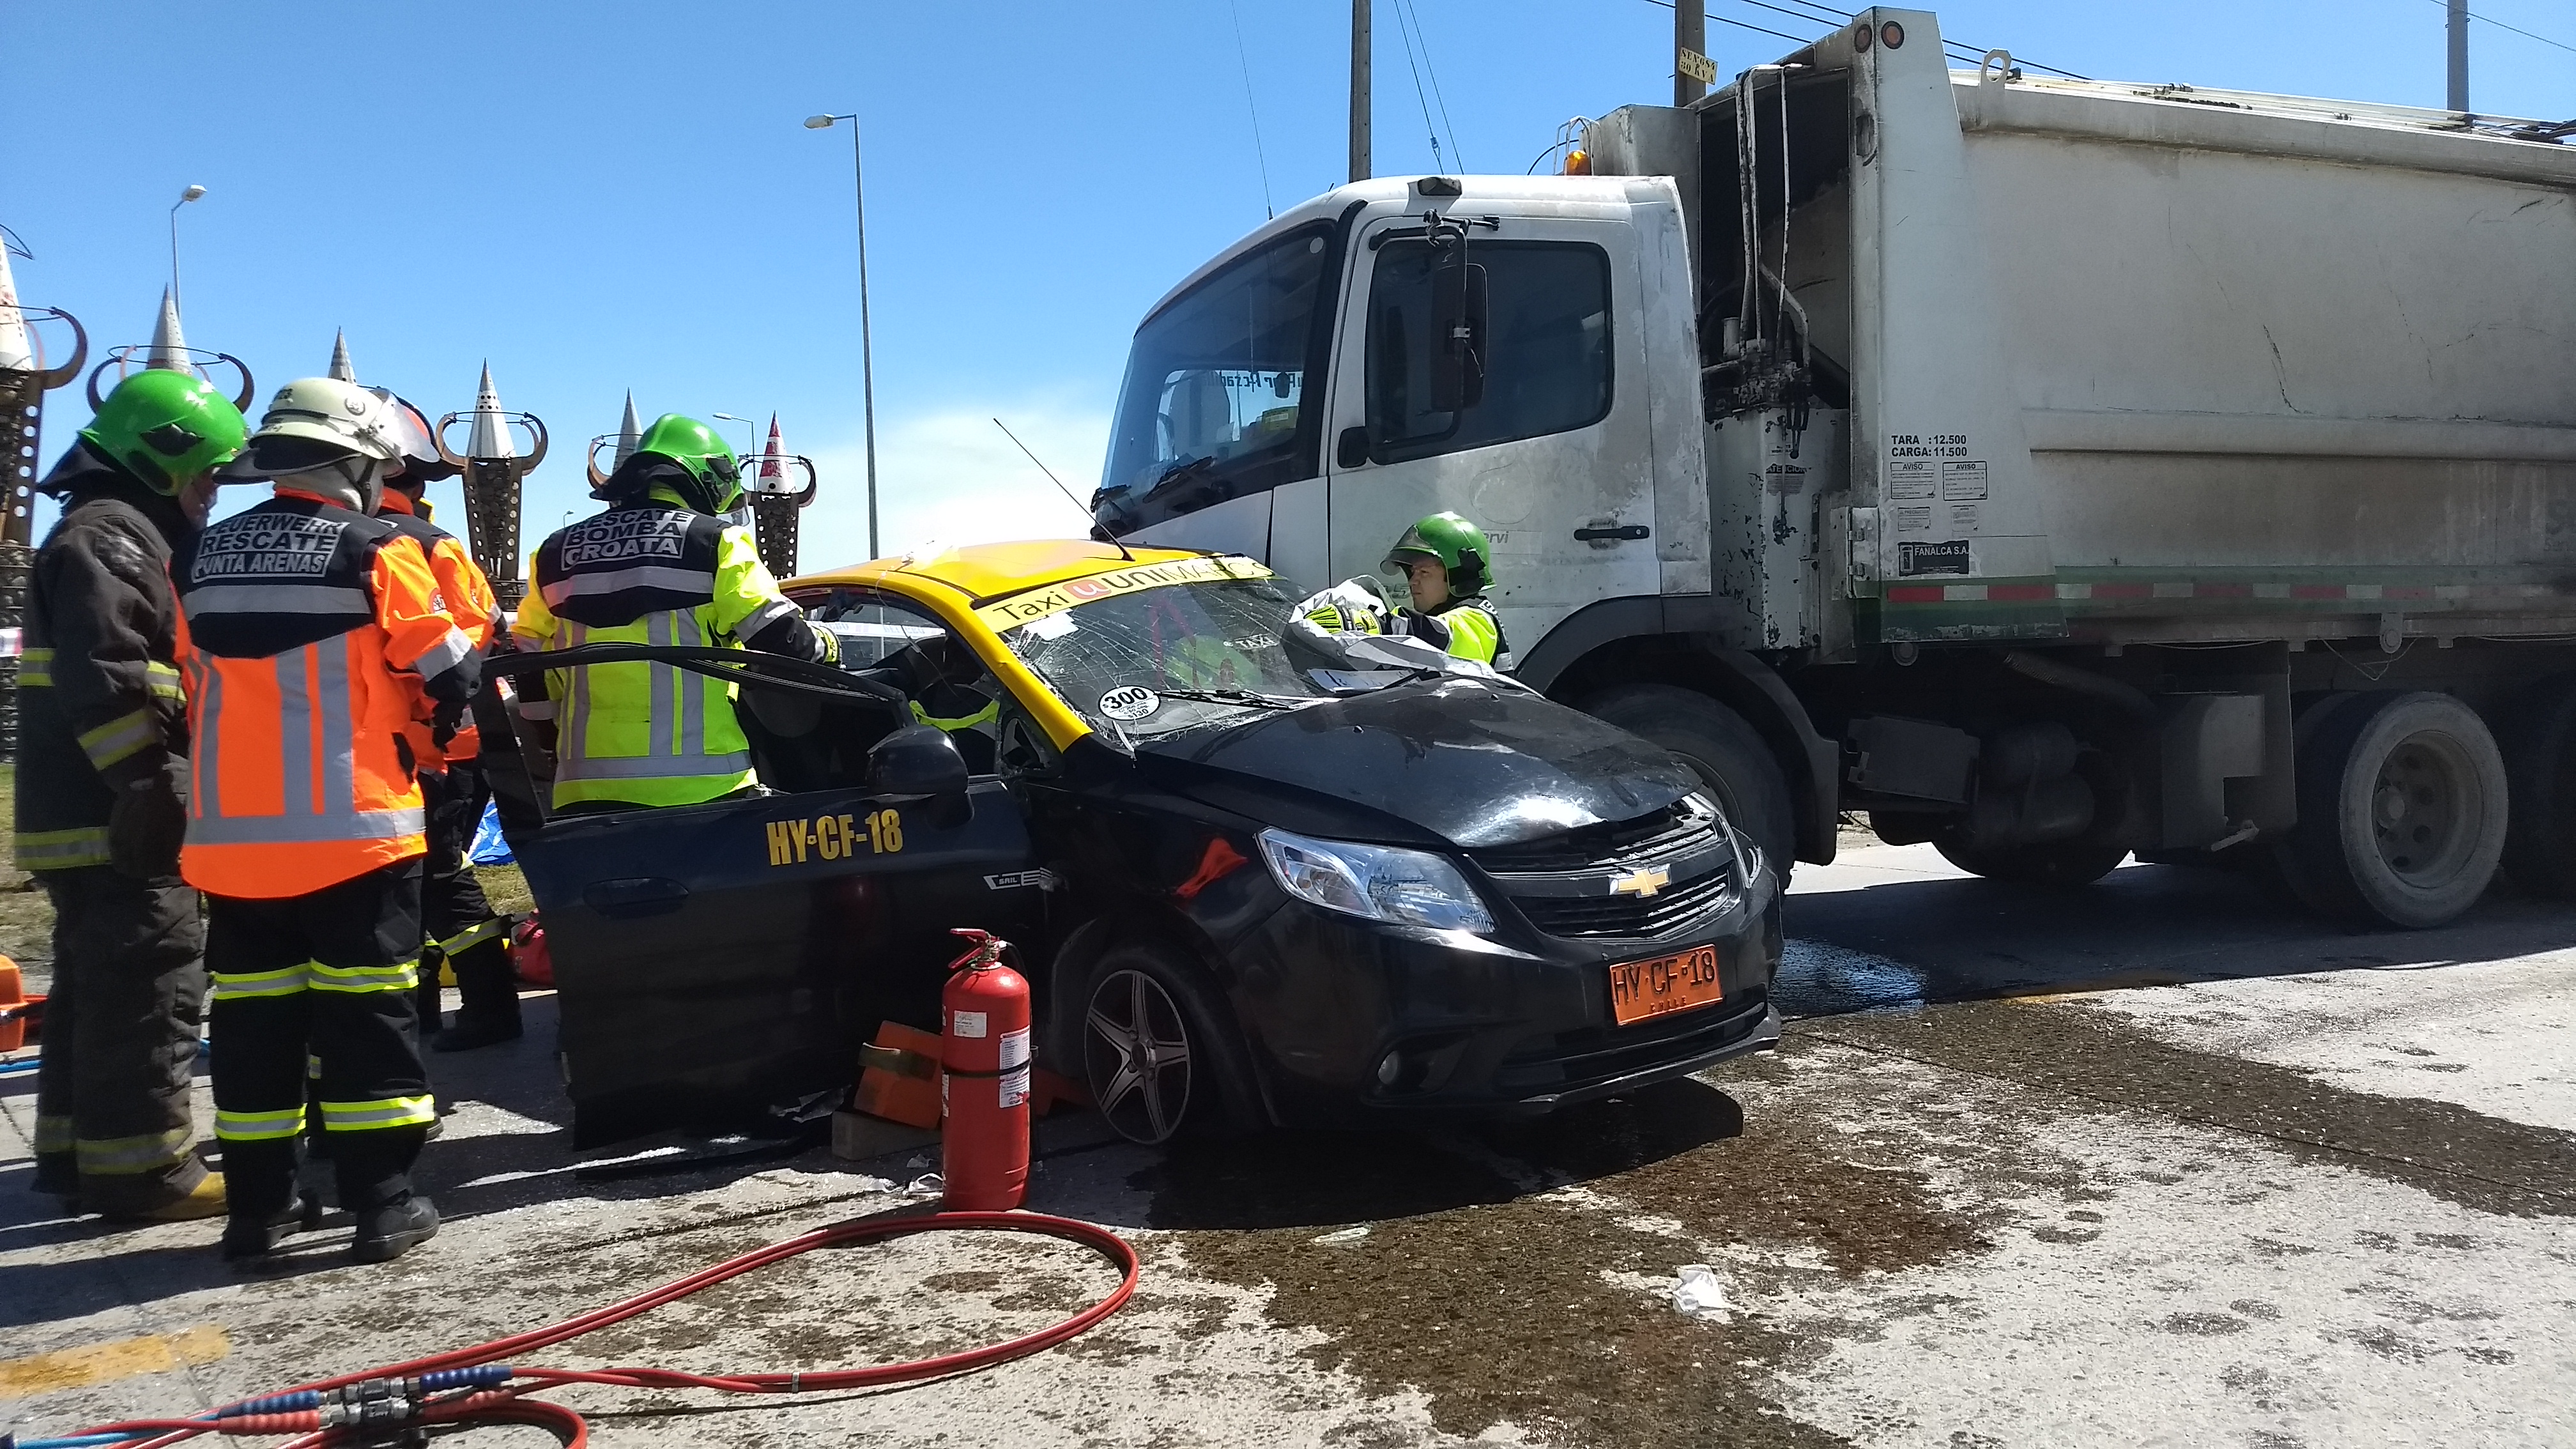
(2154, 1162)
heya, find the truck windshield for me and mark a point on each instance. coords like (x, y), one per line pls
(1216, 387)
(1169, 658)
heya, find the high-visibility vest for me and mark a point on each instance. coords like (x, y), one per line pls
(646, 573)
(1467, 628)
(468, 598)
(309, 634)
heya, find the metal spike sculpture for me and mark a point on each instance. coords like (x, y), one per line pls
(24, 381)
(776, 500)
(621, 445)
(493, 473)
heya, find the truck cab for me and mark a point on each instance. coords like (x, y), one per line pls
(2050, 470)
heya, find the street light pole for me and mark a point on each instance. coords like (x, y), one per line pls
(867, 353)
(191, 194)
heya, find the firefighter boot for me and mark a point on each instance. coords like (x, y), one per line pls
(386, 1233)
(488, 1012)
(263, 1203)
(374, 1169)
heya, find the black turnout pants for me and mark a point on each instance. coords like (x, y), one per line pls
(327, 976)
(462, 930)
(112, 1124)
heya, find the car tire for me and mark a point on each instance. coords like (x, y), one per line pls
(1184, 1074)
(2402, 811)
(2539, 744)
(1725, 752)
(2061, 864)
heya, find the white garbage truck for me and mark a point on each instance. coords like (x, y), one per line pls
(2049, 470)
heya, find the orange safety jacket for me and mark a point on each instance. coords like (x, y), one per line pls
(313, 641)
(468, 598)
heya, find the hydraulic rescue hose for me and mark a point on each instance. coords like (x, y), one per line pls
(468, 1386)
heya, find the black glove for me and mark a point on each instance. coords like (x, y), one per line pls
(148, 822)
(444, 718)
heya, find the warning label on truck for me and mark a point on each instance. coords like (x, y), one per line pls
(1963, 481)
(1914, 518)
(1963, 517)
(1912, 480)
(1915, 560)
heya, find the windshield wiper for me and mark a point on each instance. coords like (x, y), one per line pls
(1234, 696)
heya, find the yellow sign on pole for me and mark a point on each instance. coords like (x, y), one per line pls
(1697, 66)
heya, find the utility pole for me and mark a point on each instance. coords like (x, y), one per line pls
(1360, 90)
(1690, 35)
(2459, 55)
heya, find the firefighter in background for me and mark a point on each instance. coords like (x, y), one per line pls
(660, 566)
(102, 803)
(1447, 567)
(464, 934)
(314, 643)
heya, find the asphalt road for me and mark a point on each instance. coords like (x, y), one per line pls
(2152, 1163)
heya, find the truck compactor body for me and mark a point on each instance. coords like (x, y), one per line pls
(2051, 470)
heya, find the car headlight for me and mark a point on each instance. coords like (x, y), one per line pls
(1375, 882)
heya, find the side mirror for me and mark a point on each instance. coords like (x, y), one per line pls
(1457, 350)
(917, 760)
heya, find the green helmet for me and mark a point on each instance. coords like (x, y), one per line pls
(167, 427)
(715, 481)
(1458, 544)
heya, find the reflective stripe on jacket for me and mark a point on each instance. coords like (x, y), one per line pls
(99, 699)
(652, 572)
(468, 598)
(313, 641)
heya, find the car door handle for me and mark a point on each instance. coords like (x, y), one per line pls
(649, 895)
(1629, 531)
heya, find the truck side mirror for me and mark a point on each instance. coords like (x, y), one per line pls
(1457, 349)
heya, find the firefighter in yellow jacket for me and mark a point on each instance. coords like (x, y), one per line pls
(660, 566)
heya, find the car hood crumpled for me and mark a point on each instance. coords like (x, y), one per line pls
(1470, 763)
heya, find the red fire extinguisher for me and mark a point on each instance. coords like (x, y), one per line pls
(984, 1047)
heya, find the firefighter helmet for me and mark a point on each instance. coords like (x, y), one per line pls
(715, 481)
(1458, 544)
(166, 428)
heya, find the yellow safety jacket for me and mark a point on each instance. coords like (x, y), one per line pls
(653, 572)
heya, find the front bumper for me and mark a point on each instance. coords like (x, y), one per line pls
(1482, 1027)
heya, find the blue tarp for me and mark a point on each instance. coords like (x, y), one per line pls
(488, 847)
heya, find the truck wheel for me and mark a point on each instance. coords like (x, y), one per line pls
(2539, 744)
(2060, 863)
(2401, 811)
(1723, 749)
(1157, 1054)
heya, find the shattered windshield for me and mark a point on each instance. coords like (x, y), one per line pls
(1166, 659)
(1160, 647)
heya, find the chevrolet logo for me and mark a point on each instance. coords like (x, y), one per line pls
(1641, 883)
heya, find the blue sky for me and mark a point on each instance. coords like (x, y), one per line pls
(597, 197)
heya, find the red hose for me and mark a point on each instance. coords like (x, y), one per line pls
(504, 1405)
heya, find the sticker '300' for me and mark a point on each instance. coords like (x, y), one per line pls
(835, 837)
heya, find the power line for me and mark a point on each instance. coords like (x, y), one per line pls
(1436, 97)
(1957, 50)
(1407, 36)
(1740, 25)
(1257, 154)
(2516, 29)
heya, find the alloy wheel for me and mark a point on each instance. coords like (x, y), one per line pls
(1136, 1052)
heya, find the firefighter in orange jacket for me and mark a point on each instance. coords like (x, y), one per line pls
(314, 641)
(464, 934)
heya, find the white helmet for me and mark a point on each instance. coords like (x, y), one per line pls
(327, 410)
(323, 433)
